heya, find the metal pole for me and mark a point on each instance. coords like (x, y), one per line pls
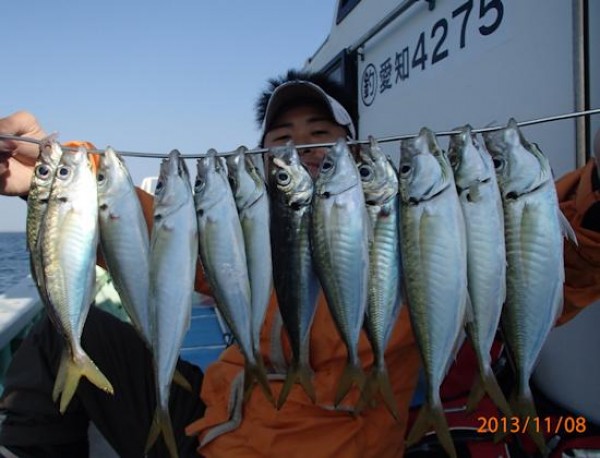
(579, 79)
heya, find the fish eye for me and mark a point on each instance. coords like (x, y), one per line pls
(366, 172)
(453, 159)
(283, 177)
(63, 172)
(405, 169)
(198, 184)
(42, 171)
(327, 165)
(498, 163)
(232, 182)
(101, 177)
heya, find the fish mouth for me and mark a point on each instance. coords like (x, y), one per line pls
(328, 194)
(514, 195)
(462, 189)
(415, 201)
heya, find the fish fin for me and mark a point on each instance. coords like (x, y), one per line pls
(302, 375)
(256, 372)
(487, 383)
(353, 374)
(368, 392)
(61, 376)
(475, 395)
(162, 423)
(76, 367)
(524, 408)
(566, 228)
(379, 382)
(154, 431)
(180, 380)
(469, 312)
(474, 193)
(432, 416)
(368, 224)
(458, 343)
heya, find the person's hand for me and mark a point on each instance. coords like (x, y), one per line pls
(17, 159)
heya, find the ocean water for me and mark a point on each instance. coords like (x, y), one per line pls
(14, 259)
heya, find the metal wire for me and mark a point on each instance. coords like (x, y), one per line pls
(394, 138)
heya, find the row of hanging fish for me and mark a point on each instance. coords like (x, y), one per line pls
(482, 244)
(469, 238)
(466, 238)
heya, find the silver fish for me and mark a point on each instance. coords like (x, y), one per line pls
(534, 229)
(68, 240)
(224, 260)
(380, 186)
(124, 240)
(37, 203)
(481, 203)
(296, 284)
(434, 259)
(173, 254)
(340, 244)
(252, 201)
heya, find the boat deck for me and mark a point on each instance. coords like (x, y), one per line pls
(206, 338)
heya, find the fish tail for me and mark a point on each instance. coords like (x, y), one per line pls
(301, 374)
(487, 383)
(257, 372)
(180, 380)
(162, 423)
(76, 366)
(61, 376)
(379, 382)
(523, 407)
(432, 415)
(352, 375)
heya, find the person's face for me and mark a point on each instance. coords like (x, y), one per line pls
(305, 124)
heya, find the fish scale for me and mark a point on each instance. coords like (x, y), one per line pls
(222, 252)
(534, 230)
(433, 243)
(296, 285)
(380, 186)
(125, 242)
(481, 203)
(339, 235)
(250, 193)
(173, 254)
(68, 240)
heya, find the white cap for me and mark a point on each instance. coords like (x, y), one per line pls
(300, 89)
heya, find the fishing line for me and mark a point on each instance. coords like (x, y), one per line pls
(393, 138)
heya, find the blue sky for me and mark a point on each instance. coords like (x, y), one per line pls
(150, 75)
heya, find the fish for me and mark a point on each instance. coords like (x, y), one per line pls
(380, 186)
(296, 284)
(340, 246)
(252, 201)
(68, 239)
(534, 231)
(480, 199)
(434, 261)
(124, 241)
(223, 256)
(173, 255)
(37, 203)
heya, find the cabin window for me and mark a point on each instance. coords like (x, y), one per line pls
(342, 68)
(344, 7)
